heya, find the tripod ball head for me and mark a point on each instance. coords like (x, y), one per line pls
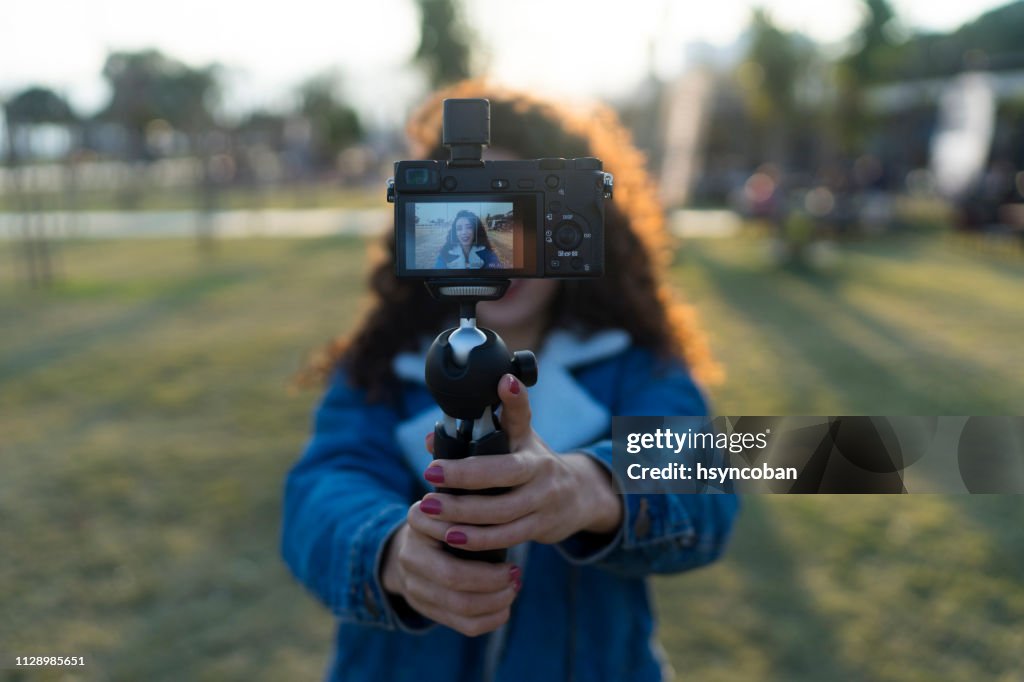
(465, 390)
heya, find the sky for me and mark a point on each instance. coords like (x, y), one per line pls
(572, 48)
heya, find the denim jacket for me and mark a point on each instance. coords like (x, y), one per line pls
(584, 611)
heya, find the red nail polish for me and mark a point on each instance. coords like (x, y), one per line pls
(455, 537)
(434, 474)
(430, 506)
(513, 386)
(518, 584)
(514, 573)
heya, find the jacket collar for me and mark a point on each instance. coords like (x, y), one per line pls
(564, 413)
(458, 260)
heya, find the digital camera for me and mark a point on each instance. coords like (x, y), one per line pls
(469, 218)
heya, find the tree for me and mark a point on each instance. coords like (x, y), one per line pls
(335, 125)
(445, 48)
(147, 85)
(35, 105)
(874, 42)
(39, 105)
(770, 79)
(871, 61)
(775, 62)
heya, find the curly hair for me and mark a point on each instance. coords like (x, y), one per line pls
(632, 295)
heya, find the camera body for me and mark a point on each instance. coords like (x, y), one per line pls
(469, 218)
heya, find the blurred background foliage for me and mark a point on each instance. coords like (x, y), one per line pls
(850, 232)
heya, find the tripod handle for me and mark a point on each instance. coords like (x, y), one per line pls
(447, 447)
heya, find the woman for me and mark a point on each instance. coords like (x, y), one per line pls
(467, 245)
(363, 529)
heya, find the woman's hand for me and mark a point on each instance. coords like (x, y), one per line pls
(552, 496)
(471, 597)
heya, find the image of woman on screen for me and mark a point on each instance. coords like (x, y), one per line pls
(467, 246)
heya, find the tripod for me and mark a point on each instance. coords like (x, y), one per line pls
(463, 368)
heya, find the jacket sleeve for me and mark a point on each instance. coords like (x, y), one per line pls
(660, 533)
(343, 499)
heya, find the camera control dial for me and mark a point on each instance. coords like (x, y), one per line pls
(568, 235)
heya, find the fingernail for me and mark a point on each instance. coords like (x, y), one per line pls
(430, 505)
(514, 573)
(517, 584)
(513, 385)
(434, 474)
(455, 537)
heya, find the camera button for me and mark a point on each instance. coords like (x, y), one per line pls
(551, 181)
(499, 184)
(587, 163)
(525, 184)
(568, 235)
(450, 183)
(555, 263)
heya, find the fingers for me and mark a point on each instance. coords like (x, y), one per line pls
(447, 509)
(478, 538)
(469, 626)
(515, 409)
(424, 590)
(473, 537)
(483, 471)
(472, 597)
(446, 570)
(427, 525)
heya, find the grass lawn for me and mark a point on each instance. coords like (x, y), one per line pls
(145, 427)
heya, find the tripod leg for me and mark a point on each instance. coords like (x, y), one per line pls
(494, 443)
(446, 447)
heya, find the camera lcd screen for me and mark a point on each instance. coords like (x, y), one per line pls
(489, 235)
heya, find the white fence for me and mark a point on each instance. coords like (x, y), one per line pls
(227, 224)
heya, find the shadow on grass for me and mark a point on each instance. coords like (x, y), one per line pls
(1007, 258)
(798, 639)
(951, 247)
(176, 297)
(810, 330)
(1002, 517)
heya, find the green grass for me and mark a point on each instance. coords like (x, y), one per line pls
(911, 326)
(145, 427)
